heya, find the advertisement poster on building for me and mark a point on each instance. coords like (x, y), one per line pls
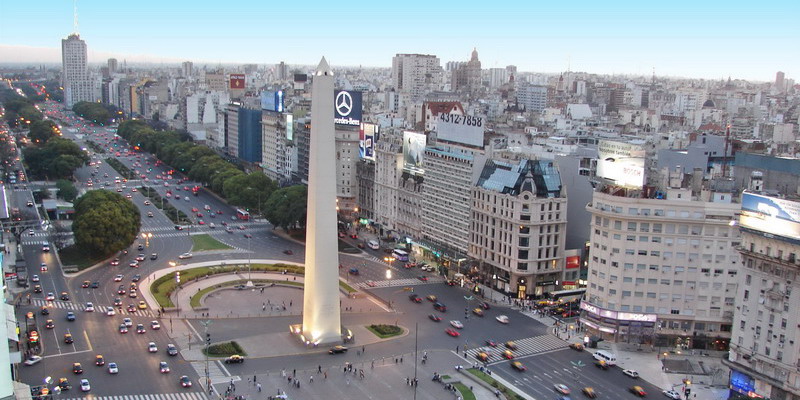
(413, 152)
(366, 141)
(621, 162)
(347, 108)
(237, 81)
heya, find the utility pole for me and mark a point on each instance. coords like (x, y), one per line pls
(416, 360)
(207, 335)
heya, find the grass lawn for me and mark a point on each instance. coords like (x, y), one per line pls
(510, 394)
(347, 288)
(206, 242)
(74, 256)
(384, 335)
(225, 349)
(466, 394)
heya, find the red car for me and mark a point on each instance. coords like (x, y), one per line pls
(423, 278)
(452, 332)
(354, 236)
(491, 343)
(435, 318)
(415, 298)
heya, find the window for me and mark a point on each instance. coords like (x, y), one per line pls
(631, 226)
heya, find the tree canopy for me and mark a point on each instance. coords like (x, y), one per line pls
(286, 207)
(66, 190)
(98, 113)
(58, 158)
(105, 222)
(42, 131)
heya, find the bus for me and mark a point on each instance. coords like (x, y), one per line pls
(400, 255)
(566, 296)
(242, 214)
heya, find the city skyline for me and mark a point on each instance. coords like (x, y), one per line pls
(685, 40)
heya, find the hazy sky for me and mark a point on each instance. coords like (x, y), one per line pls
(710, 39)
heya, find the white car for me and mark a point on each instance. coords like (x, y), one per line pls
(151, 347)
(50, 296)
(127, 322)
(110, 311)
(503, 319)
(672, 394)
(112, 368)
(456, 324)
(85, 387)
(154, 325)
(89, 307)
(185, 256)
(163, 367)
(631, 373)
(118, 278)
(33, 360)
(35, 278)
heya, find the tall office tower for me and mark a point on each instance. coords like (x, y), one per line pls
(75, 75)
(416, 74)
(112, 66)
(322, 321)
(282, 71)
(187, 68)
(779, 81)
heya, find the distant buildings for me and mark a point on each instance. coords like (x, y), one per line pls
(75, 76)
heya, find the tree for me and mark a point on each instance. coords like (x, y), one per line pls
(58, 158)
(66, 190)
(59, 234)
(287, 207)
(42, 131)
(249, 191)
(105, 222)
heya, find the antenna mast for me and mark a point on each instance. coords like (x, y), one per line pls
(75, 17)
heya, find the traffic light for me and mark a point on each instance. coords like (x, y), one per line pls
(178, 276)
(208, 338)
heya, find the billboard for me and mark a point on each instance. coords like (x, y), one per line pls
(272, 101)
(366, 141)
(621, 162)
(413, 152)
(463, 129)
(573, 262)
(237, 81)
(289, 127)
(347, 108)
(770, 216)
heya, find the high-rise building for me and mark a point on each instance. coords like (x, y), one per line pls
(663, 269)
(75, 75)
(187, 68)
(250, 135)
(533, 97)
(779, 81)
(346, 159)
(416, 74)
(518, 226)
(273, 131)
(112, 66)
(764, 354)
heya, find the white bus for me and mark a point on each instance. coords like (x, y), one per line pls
(400, 255)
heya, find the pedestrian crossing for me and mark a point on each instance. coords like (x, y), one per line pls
(100, 309)
(525, 347)
(154, 396)
(216, 373)
(400, 282)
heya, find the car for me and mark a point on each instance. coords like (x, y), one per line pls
(63, 384)
(576, 346)
(70, 316)
(128, 322)
(482, 355)
(68, 338)
(113, 368)
(434, 317)
(241, 227)
(185, 256)
(178, 227)
(415, 298)
(31, 232)
(77, 369)
(353, 271)
(439, 307)
(185, 381)
(121, 289)
(601, 364)
(154, 256)
(491, 343)
(99, 360)
(46, 248)
(118, 278)
(44, 311)
(43, 267)
(29, 203)
(34, 359)
(50, 296)
(140, 328)
(142, 305)
(35, 278)
(37, 288)
(154, 325)
(110, 311)
(452, 332)
(132, 294)
(519, 366)
(478, 311)
(152, 348)
(85, 387)
(589, 392)
(561, 388)
(134, 264)
(570, 314)
(638, 391)
(456, 324)
(503, 319)
(172, 350)
(672, 394)
(163, 367)
(484, 305)
(150, 214)
(117, 302)
(147, 202)
(423, 278)
(131, 308)
(431, 298)
(123, 328)
(136, 278)
(199, 215)
(337, 350)
(507, 354)
(631, 373)
(115, 262)
(511, 345)
(95, 285)
(140, 247)
(140, 257)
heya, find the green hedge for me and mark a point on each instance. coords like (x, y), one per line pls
(384, 331)
(510, 394)
(124, 171)
(225, 349)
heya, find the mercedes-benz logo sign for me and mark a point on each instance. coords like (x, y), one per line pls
(344, 103)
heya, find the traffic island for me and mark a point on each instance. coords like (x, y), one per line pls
(488, 381)
(225, 349)
(384, 331)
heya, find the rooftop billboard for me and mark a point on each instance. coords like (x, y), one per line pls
(621, 162)
(463, 129)
(272, 101)
(413, 152)
(347, 108)
(770, 216)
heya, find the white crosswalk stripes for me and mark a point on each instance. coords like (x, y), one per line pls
(526, 346)
(72, 306)
(216, 373)
(401, 282)
(154, 396)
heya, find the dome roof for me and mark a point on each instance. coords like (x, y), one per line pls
(709, 104)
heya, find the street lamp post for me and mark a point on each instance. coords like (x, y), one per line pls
(249, 261)
(146, 237)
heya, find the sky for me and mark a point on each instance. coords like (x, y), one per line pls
(696, 39)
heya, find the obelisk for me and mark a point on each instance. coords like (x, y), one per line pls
(322, 320)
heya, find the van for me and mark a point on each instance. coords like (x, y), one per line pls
(373, 244)
(608, 358)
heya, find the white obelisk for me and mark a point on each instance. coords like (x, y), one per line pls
(322, 320)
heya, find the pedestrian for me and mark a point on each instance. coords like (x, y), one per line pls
(311, 379)
(401, 360)
(254, 379)
(373, 364)
(294, 372)
(408, 381)
(325, 374)
(456, 349)
(283, 373)
(395, 360)
(298, 383)
(258, 386)
(363, 348)
(319, 369)
(263, 308)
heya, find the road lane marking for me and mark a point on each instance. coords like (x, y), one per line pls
(67, 354)
(225, 370)
(86, 336)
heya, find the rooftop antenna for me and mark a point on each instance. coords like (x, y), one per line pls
(75, 17)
